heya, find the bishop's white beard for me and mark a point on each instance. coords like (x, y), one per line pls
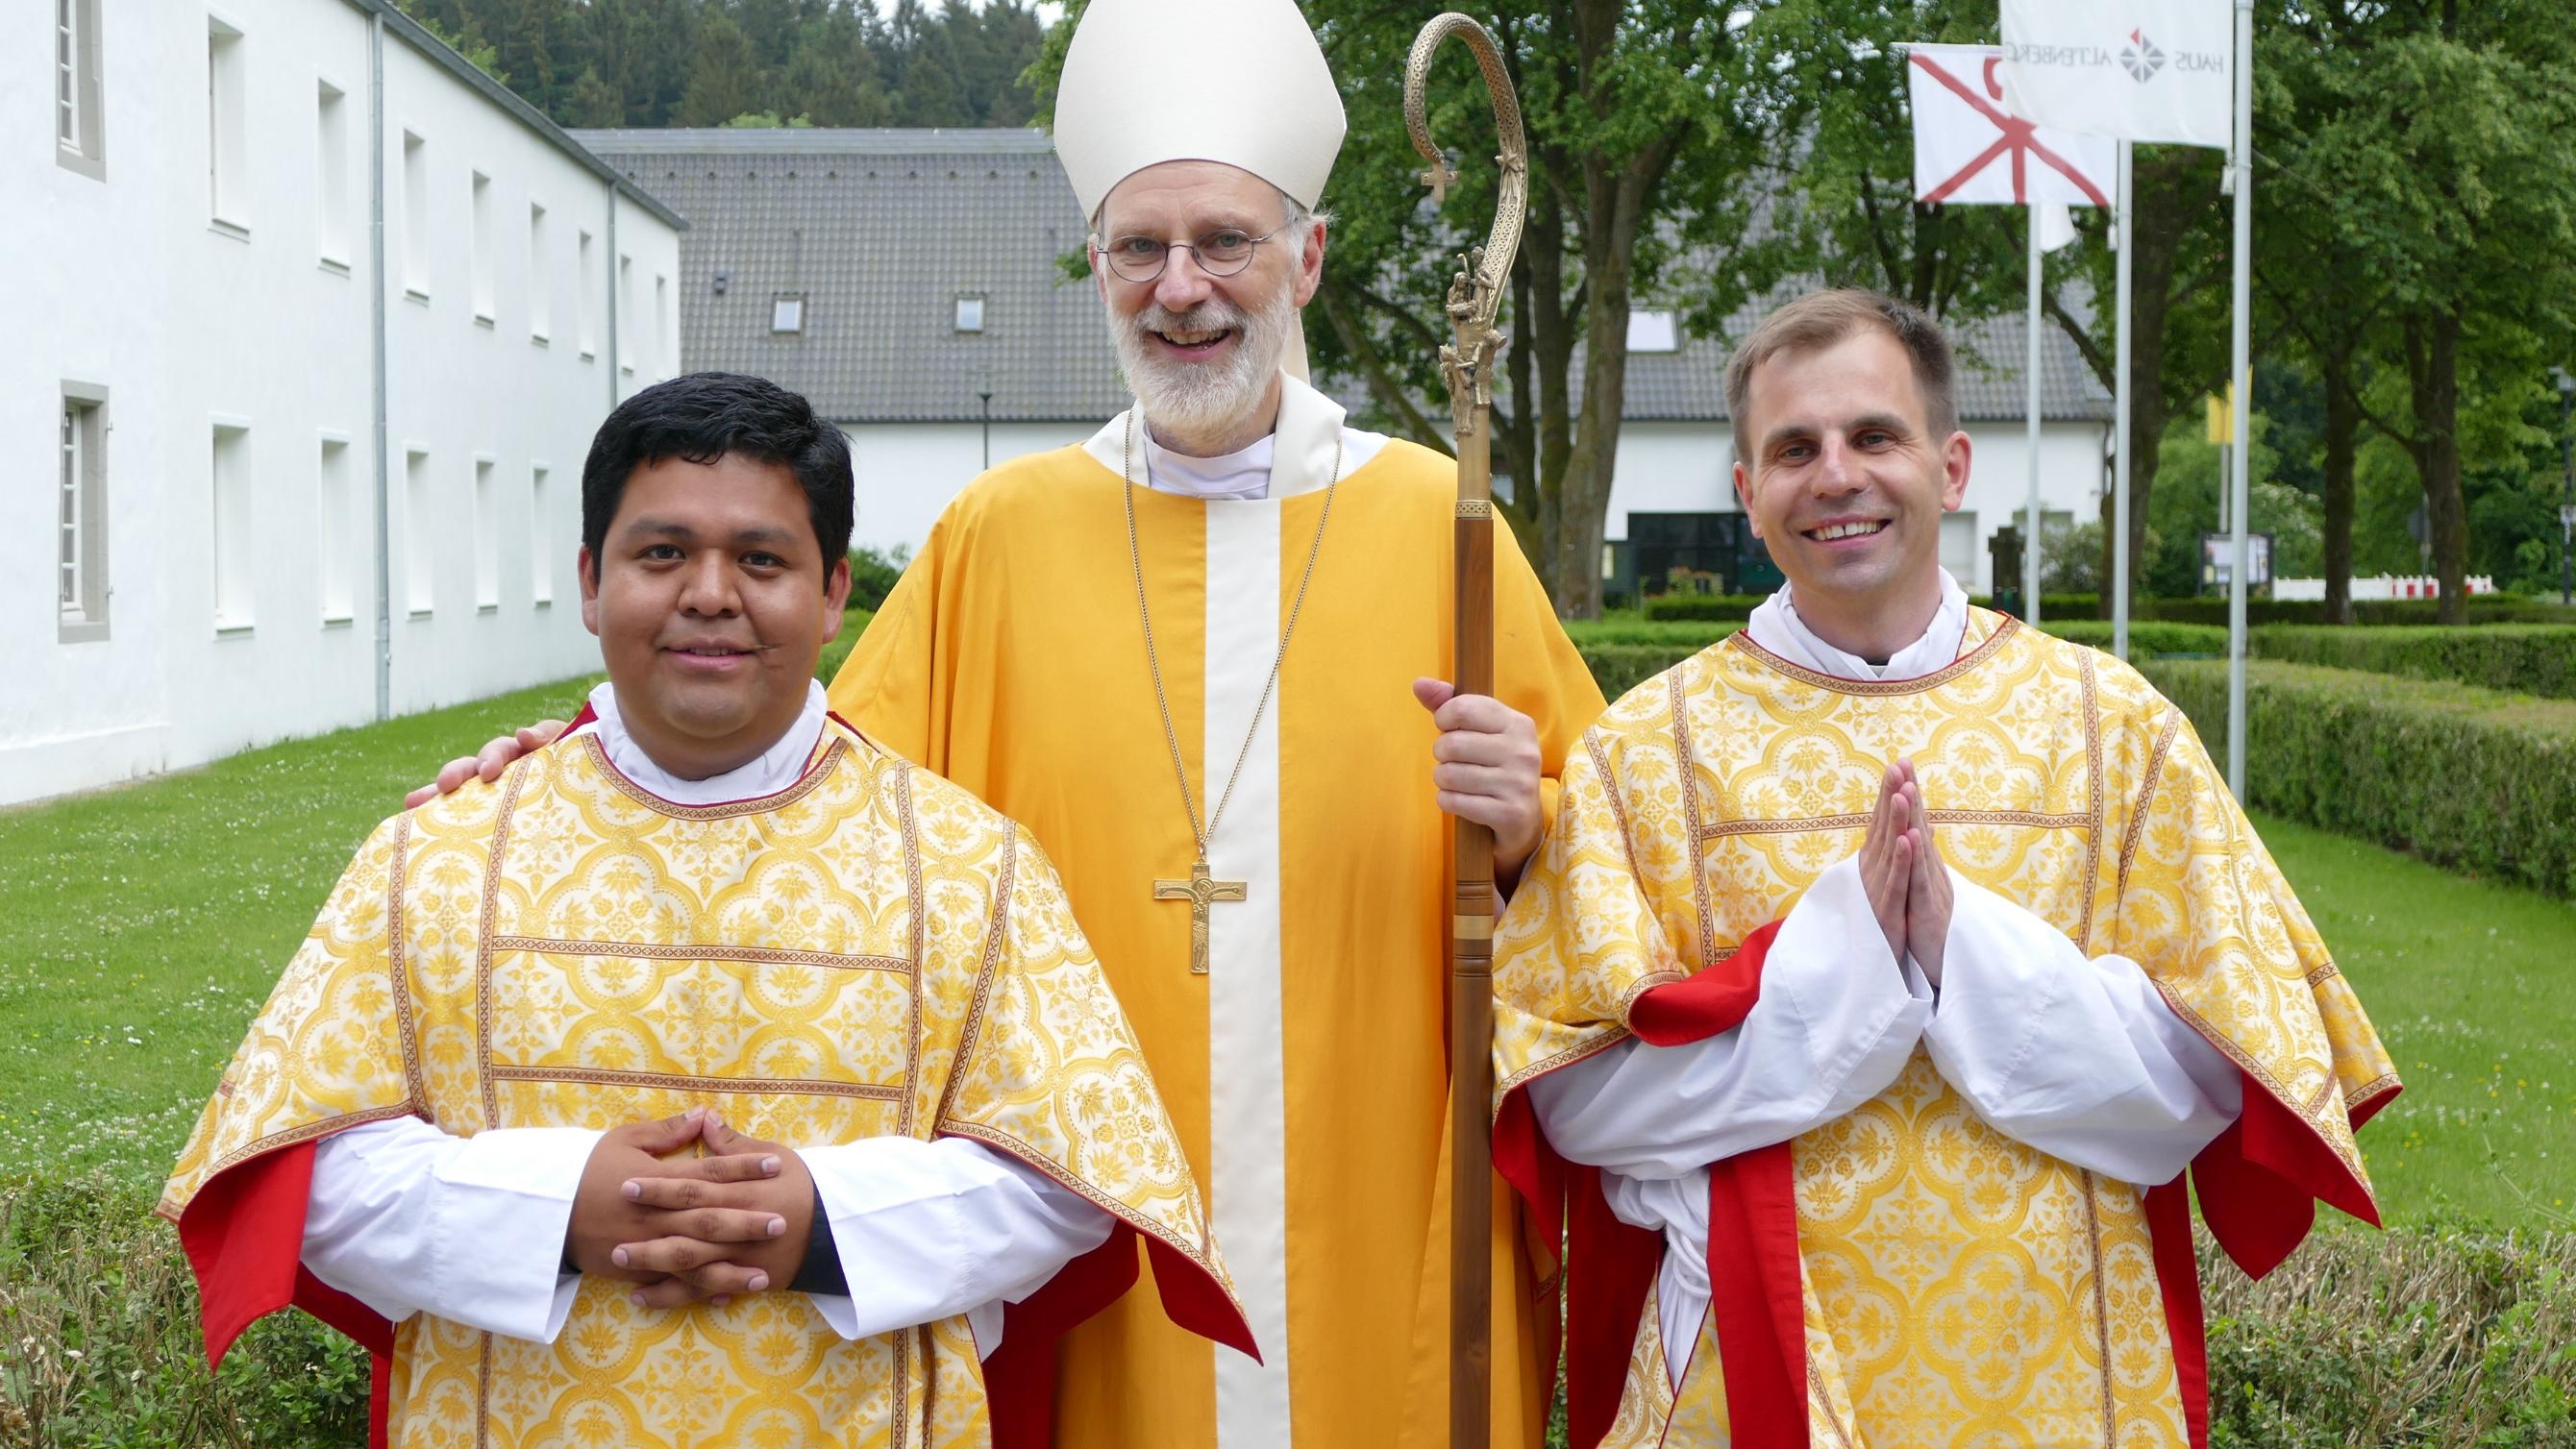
(1195, 401)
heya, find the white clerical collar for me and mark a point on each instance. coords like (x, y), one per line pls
(1302, 448)
(1775, 626)
(1243, 473)
(778, 767)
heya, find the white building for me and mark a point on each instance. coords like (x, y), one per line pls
(909, 283)
(322, 323)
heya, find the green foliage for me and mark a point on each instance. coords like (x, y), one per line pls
(2471, 778)
(1729, 608)
(1618, 668)
(2148, 638)
(2524, 658)
(711, 62)
(873, 574)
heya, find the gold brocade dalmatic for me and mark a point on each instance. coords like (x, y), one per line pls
(1011, 659)
(1957, 1287)
(869, 953)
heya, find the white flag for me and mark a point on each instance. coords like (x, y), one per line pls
(2140, 70)
(1970, 146)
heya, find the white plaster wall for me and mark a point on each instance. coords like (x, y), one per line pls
(186, 322)
(907, 472)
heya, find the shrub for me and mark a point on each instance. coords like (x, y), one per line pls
(2519, 658)
(2462, 776)
(1728, 608)
(102, 1347)
(2483, 609)
(1618, 668)
(873, 575)
(2148, 638)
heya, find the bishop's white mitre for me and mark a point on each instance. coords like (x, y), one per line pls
(1241, 82)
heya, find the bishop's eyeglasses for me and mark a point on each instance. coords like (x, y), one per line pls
(1219, 253)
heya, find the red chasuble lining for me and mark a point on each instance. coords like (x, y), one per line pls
(2258, 1186)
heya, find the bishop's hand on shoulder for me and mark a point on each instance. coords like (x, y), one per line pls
(488, 763)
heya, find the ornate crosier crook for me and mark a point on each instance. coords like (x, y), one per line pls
(1467, 364)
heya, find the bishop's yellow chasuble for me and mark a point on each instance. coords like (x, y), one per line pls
(871, 952)
(1946, 1286)
(1307, 1069)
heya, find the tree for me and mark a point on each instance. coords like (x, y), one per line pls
(724, 77)
(2447, 139)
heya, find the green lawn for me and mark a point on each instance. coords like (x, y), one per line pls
(146, 924)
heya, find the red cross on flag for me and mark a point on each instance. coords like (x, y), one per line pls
(1970, 148)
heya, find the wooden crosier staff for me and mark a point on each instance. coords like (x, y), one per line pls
(1467, 364)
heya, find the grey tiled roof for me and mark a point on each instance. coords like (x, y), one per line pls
(1690, 384)
(881, 230)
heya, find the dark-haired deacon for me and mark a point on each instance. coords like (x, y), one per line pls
(1887, 966)
(711, 986)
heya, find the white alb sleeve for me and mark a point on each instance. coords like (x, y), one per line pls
(929, 1230)
(408, 1219)
(1835, 1020)
(2079, 1058)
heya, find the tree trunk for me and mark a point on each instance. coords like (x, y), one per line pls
(2343, 429)
(2433, 382)
(1616, 197)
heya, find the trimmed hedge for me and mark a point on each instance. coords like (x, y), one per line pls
(2467, 777)
(2212, 609)
(2148, 638)
(2518, 658)
(1730, 608)
(1618, 668)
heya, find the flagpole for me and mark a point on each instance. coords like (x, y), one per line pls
(2030, 371)
(2124, 240)
(2241, 399)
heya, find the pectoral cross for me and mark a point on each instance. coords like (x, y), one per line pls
(1200, 891)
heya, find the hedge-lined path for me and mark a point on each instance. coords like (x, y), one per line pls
(141, 927)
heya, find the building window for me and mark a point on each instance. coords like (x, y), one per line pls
(1961, 546)
(227, 151)
(541, 549)
(622, 326)
(662, 364)
(80, 132)
(1653, 331)
(415, 221)
(541, 292)
(970, 313)
(81, 546)
(336, 510)
(787, 313)
(331, 177)
(487, 541)
(418, 510)
(479, 250)
(589, 303)
(231, 486)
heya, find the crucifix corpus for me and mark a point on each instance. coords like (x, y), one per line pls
(1467, 365)
(1201, 892)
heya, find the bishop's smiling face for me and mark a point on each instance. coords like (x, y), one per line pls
(1202, 351)
(1845, 481)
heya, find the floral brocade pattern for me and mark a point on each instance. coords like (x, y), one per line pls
(871, 953)
(1961, 1289)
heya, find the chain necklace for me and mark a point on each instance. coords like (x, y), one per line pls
(1200, 890)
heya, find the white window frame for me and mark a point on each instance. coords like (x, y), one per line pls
(541, 292)
(487, 537)
(335, 515)
(227, 127)
(625, 323)
(663, 366)
(80, 115)
(588, 307)
(1654, 330)
(541, 562)
(415, 217)
(331, 193)
(787, 314)
(81, 516)
(231, 479)
(420, 558)
(970, 312)
(478, 248)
